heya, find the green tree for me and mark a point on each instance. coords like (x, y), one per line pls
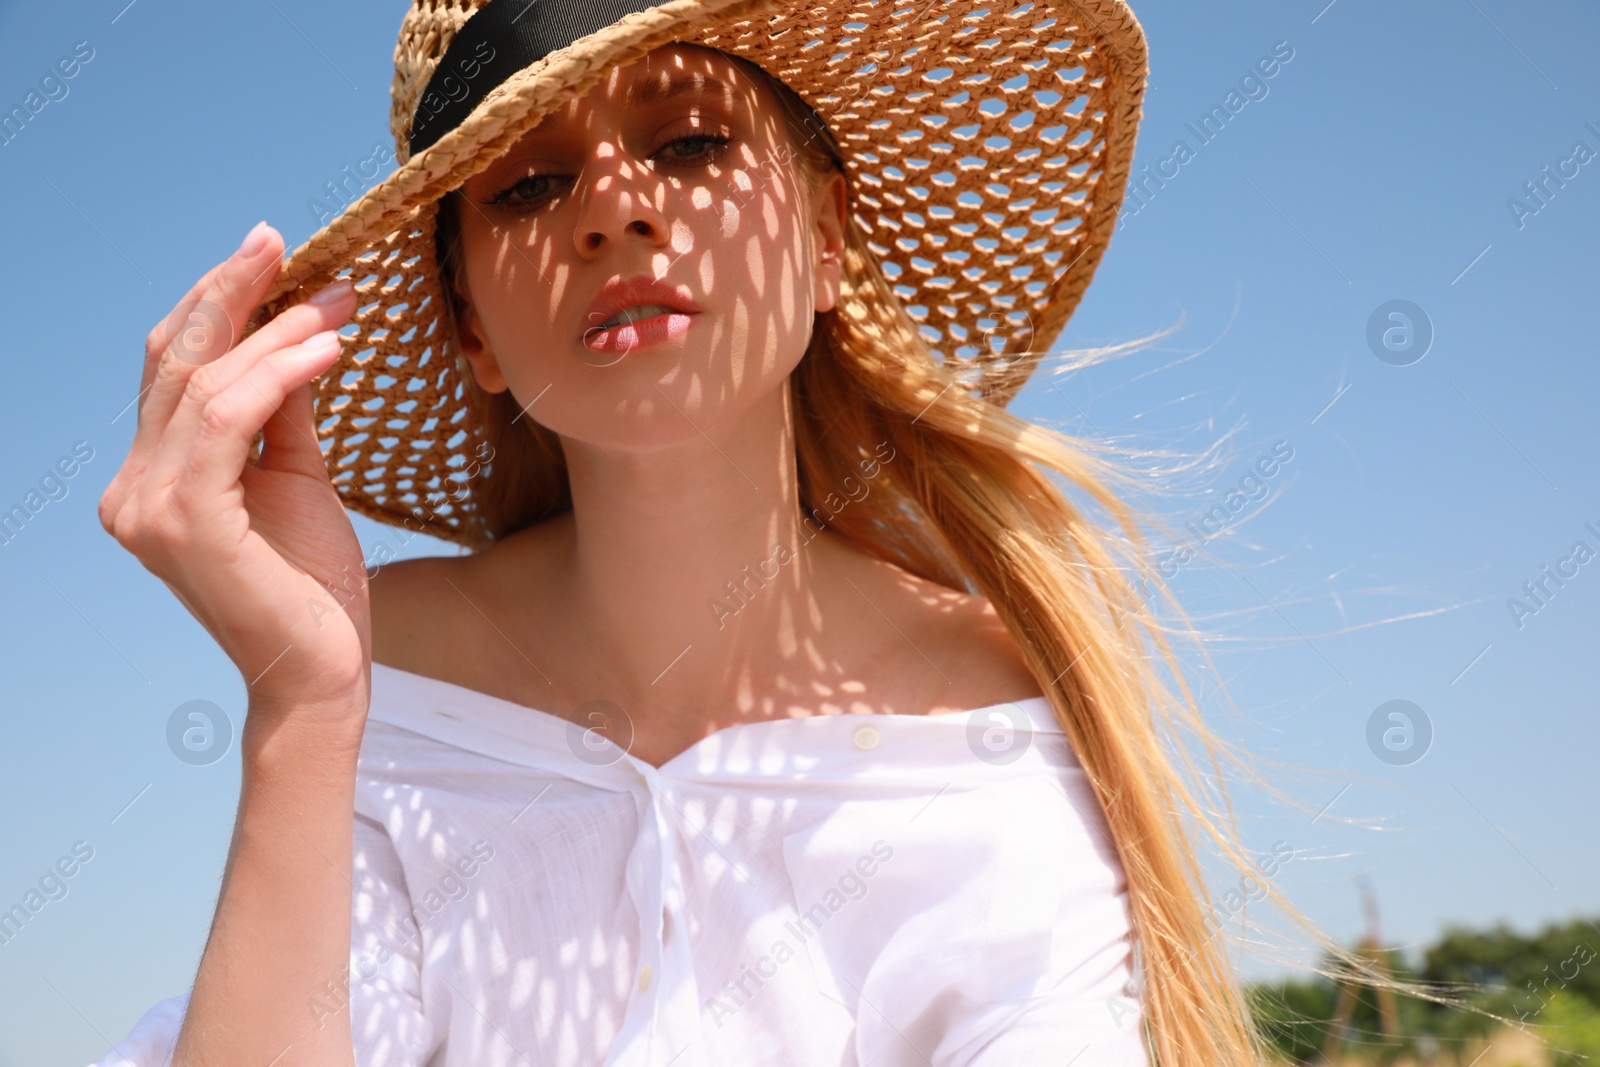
(1570, 1025)
(1293, 1014)
(1518, 974)
(1549, 979)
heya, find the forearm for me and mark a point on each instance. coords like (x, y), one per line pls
(280, 942)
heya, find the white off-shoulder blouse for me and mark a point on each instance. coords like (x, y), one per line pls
(839, 890)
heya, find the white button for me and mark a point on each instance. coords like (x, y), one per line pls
(644, 978)
(867, 737)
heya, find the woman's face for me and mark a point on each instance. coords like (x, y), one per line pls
(676, 169)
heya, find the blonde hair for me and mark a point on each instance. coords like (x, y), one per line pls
(966, 503)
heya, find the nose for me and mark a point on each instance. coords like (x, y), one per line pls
(618, 198)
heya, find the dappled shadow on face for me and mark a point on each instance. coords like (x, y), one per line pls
(674, 169)
(680, 169)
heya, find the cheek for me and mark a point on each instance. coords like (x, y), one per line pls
(758, 245)
(512, 288)
(754, 267)
(741, 241)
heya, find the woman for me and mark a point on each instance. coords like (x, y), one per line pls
(784, 712)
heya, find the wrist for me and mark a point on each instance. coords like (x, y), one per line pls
(302, 735)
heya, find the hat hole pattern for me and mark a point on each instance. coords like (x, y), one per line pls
(987, 164)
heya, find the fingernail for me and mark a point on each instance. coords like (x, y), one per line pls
(254, 241)
(321, 344)
(332, 293)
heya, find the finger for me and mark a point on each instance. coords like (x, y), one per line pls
(161, 334)
(155, 343)
(178, 318)
(230, 420)
(329, 309)
(164, 457)
(289, 438)
(211, 326)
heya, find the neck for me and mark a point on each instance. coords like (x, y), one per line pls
(689, 573)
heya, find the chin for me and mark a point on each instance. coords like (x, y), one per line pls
(646, 405)
(661, 394)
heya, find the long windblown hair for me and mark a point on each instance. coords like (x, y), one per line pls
(966, 503)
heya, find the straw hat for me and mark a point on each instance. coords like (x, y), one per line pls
(988, 143)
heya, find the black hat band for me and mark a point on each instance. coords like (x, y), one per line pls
(499, 39)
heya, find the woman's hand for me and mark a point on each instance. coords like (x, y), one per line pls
(262, 554)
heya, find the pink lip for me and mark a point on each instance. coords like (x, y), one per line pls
(632, 335)
(639, 289)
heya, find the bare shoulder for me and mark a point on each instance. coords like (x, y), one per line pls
(991, 664)
(964, 656)
(430, 612)
(407, 608)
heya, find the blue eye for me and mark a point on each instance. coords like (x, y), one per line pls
(506, 195)
(715, 144)
(527, 193)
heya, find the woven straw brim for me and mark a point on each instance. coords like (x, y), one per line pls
(988, 146)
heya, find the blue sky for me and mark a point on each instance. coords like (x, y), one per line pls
(1379, 163)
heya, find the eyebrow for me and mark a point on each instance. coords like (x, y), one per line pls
(654, 90)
